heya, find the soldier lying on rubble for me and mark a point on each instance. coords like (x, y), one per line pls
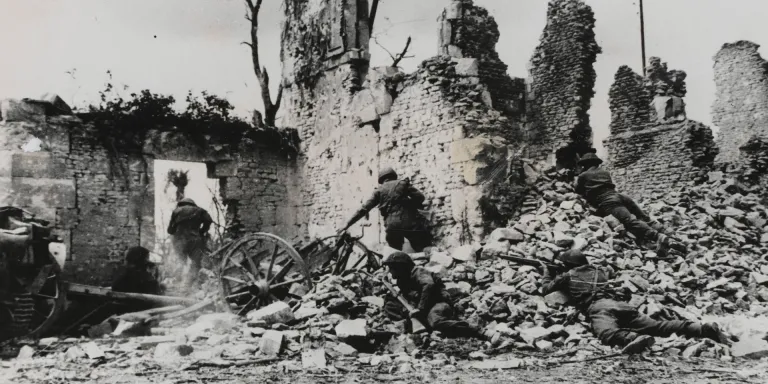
(399, 203)
(595, 184)
(614, 322)
(417, 285)
(135, 276)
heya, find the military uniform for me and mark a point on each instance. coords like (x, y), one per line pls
(597, 187)
(187, 226)
(616, 323)
(399, 204)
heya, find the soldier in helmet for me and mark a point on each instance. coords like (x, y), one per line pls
(135, 276)
(615, 323)
(399, 203)
(425, 290)
(188, 226)
(597, 187)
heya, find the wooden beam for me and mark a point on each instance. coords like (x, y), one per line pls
(89, 290)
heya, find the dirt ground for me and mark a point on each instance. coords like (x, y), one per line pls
(620, 369)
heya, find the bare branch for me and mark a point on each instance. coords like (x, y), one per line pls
(270, 110)
(402, 56)
(375, 40)
(247, 43)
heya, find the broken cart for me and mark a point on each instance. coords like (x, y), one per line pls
(260, 268)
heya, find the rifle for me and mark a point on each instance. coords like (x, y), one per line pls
(417, 326)
(533, 262)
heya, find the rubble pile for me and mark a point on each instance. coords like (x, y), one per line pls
(340, 324)
(725, 272)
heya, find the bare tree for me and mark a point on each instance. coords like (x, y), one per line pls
(400, 56)
(270, 109)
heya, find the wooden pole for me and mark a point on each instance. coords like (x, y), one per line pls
(372, 16)
(642, 36)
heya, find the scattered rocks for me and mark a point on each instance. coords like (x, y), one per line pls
(277, 312)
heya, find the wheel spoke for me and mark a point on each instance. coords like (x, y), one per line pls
(284, 283)
(282, 272)
(272, 262)
(236, 295)
(247, 273)
(246, 305)
(236, 280)
(44, 296)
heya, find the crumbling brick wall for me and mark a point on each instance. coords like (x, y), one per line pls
(439, 126)
(101, 202)
(562, 80)
(653, 148)
(740, 109)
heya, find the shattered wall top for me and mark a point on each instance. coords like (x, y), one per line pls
(562, 80)
(653, 148)
(740, 109)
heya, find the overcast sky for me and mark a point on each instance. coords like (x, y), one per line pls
(172, 46)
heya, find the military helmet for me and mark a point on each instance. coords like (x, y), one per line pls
(186, 201)
(387, 172)
(573, 257)
(398, 258)
(137, 255)
(590, 158)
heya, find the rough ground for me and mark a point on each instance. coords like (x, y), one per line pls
(616, 370)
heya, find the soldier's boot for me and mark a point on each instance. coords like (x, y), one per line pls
(664, 243)
(638, 345)
(658, 227)
(712, 331)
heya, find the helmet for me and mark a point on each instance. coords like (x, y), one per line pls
(387, 172)
(590, 158)
(398, 258)
(137, 256)
(187, 201)
(573, 258)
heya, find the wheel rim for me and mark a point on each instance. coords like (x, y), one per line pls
(259, 269)
(48, 302)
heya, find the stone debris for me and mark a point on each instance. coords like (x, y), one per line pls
(341, 319)
(277, 312)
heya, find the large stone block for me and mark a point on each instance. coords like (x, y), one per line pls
(41, 192)
(21, 110)
(37, 165)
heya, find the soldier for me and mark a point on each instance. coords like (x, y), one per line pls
(188, 226)
(614, 322)
(135, 276)
(399, 204)
(596, 186)
(417, 285)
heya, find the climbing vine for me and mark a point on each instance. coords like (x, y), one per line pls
(122, 124)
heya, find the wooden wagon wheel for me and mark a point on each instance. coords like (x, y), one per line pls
(259, 269)
(350, 254)
(49, 298)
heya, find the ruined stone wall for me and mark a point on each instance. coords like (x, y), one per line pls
(653, 148)
(740, 109)
(437, 126)
(562, 80)
(102, 202)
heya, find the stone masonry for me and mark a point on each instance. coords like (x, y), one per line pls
(452, 127)
(102, 203)
(562, 80)
(653, 148)
(740, 109)
(457, 127)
